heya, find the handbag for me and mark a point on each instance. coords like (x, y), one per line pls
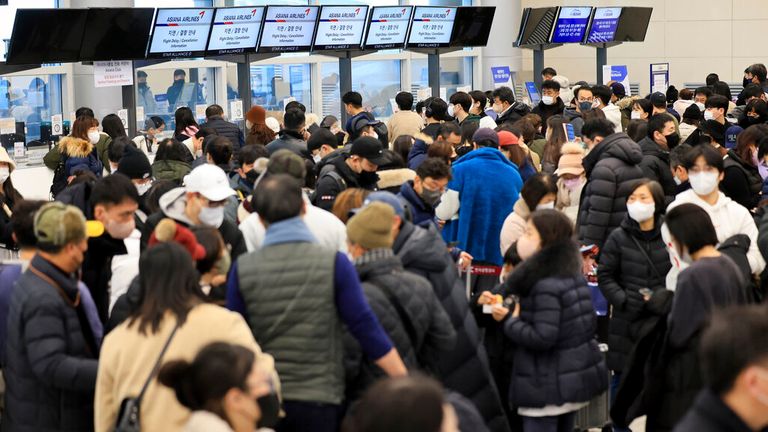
(128, 419)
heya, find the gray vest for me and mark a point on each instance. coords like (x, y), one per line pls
(290, 296)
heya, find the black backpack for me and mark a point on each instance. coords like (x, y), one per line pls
(59, 176)
(752, 175)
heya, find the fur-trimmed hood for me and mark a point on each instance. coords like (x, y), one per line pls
(395, 178)
(560, 260)
(75, 147)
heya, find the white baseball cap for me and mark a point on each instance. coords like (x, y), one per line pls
(209, 181)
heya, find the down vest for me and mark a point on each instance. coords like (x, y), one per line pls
(624, 270)
(611, 167)
(556, 360)
(50, 365)
(385, 283)
(465, 369)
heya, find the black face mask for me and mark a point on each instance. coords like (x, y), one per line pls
(368, 178)
(673, 140)
(748, 121)
(269, 405)
(252, 175)
(705, 139)
(746, 81)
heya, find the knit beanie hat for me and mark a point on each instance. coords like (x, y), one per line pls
(571, 160)
(168, 230)
(256, 115)
(134, 164)
(371, 227)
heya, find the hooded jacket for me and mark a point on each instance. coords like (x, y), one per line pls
(418, 153)
(612, 167)
(514, 225)
(329, 187)
(173, 205)
(515, 112)
(487, 185)
(172, 170)
(465, 368)
(655, 165)
(613, 114)
(574, 117)
(80, 155)
(557, 360)
(624, 270)
(422, 214)
(547, 111)
(742, 181)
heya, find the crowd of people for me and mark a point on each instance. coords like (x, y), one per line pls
(440, 271)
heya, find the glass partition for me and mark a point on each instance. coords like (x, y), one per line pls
(272, 86)
(159, 92)
(377, 81)
(454, 72)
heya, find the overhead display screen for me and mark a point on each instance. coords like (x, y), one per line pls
(180, 32)
(340, 27)
(633, 24)
(571, 25)
(46, 36)
(604, 24)
(473, 26)
(388, 27)
(116, 34)
(288, 29)
(431, 27)
(235, 30)
(536, 26)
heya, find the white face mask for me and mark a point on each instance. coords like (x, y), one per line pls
(317, 158)
(212, 217)
(5, 172)
(546, 206)
(248, 124)
(641, 212)
(700, 105)
(143, 188)
(677, 180)
(94, 137)
(635, 115)
(451, 110)
(703, 183)
(118, 230)
(547, 100)
(374, 135)
(708, 115)
(113, 167)
(596, 103)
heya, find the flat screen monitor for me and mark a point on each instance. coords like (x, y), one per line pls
(533, 93)
(633, 24)
(235, 30)
(46, 36)
(571, 25)
(602, 29)
(431, 27)
(180, 32)
(473, 26)
(340, 28)
(288, 29)
(116, 34)
(535, 26)
(388, 27)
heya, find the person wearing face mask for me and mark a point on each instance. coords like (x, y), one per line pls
(692, 116)
(181, 93)
(660, 139)
(50, 361)
(354, 170)
(460, 104)
(321, 145)
(443, 133)
(642, 109)
(135, 165)
(214, 266)
(9, 196)
(631, 273)
(78, 152)
(754, 74)
(550, 104)
(423, 193)
(538, 193)
(705, 172)
(226, 389)
(148, 137)
(734, 370)
(555, 371)
(180, 317)
(201, 201)
(701, 95)
(584, 103)
(570, 180)
(508, 110)
(291, 137)
(677, 159)
(755, 112)
(711, 281)
(479, 102)
(659, 106)
(144, 96)
(243, 178)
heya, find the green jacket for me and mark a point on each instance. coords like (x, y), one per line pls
(170, 170)
(52, 158)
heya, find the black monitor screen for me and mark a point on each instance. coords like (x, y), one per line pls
(46, 36)
(536, 26)
(633, 24)
(116, 34)
(473, 25)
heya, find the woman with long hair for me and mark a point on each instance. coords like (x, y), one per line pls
(555, 137)
(173, 312)
(186, 125)
(255, 124)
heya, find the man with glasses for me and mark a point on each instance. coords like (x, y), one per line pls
(584, 101)
(200, 202)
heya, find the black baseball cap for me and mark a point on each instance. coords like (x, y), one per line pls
(321, 136)
(659, 100)
(369, 148)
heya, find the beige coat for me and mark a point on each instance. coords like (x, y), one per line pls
(404, 123)
(514, 225)
(568, 201)
(127, 358)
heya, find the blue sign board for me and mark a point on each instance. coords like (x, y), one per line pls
(501, 74)
(604, 25)
(571, 24)
(533, 92)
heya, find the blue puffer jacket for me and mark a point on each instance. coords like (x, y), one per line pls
(418, 154)
(556, 359)
(80, 155)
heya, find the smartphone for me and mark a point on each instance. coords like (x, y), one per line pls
(569, 132)
(645, 292)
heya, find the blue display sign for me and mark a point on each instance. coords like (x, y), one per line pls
(604, 25)
(571, 24)
(501, 75)
(533, 92)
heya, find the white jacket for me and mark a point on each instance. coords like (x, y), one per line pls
(613, 114)
(728, 217)
(680, 106)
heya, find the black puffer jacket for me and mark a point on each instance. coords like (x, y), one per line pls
(515, 112)
(465, 369)
(50, 365)
(655, 165)
(624, 270)
(227, 130)
(420, 337)
(612, 168)
(557, 359)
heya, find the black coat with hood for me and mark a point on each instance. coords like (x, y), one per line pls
(514, 113)
(546, 111)
(612, 167)
(624, 270)
(557, 359)
(329, 186)
(655, 165)
(421, 336)
(465, 369)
